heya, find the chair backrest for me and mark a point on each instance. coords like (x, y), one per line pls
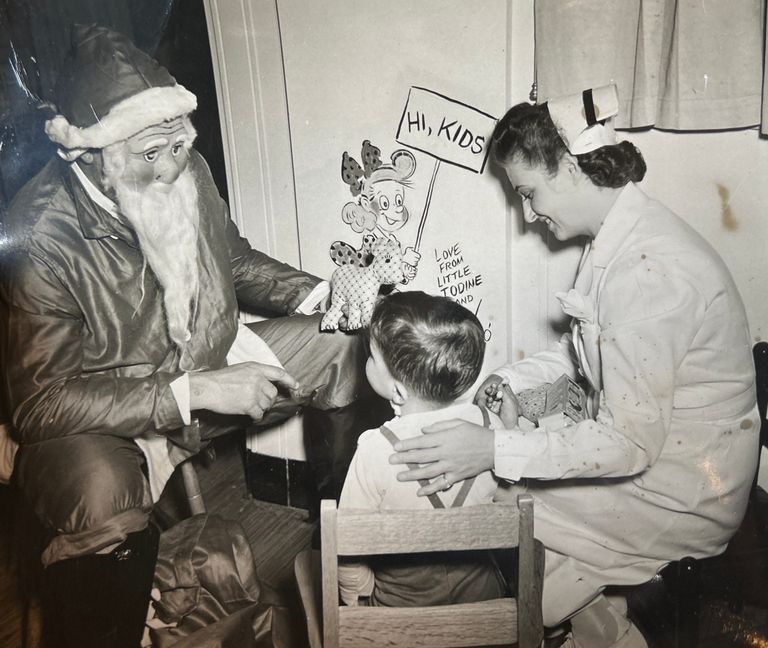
(348, 532)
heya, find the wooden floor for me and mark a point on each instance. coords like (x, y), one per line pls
(276, 534)
(733, 596)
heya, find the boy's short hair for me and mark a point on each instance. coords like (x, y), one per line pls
(431, 344)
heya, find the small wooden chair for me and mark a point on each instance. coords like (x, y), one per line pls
(347, 532)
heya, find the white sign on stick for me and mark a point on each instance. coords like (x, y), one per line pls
(446, 129)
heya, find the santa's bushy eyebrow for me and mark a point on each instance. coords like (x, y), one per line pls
(154, 140)
(152, 143)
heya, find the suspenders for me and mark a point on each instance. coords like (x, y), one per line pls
(466, 485)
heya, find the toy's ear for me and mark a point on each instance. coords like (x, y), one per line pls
(379, 244)
(389, 244)
(404, 162)
(344, 254)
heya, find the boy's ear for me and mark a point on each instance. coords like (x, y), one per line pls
(399, 392)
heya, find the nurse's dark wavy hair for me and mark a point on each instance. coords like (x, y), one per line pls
(527, 133)
(431, 344)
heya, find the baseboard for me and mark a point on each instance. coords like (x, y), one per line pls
(288, 482)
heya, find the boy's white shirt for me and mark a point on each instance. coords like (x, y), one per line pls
(372, 482)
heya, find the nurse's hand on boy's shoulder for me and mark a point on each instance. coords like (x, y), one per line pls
(452, 450)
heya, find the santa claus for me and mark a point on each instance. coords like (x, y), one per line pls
(121, 279)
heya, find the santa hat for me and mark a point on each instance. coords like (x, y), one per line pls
(109, 90)
(585, 120)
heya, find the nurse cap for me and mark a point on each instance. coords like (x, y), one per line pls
(585, 120)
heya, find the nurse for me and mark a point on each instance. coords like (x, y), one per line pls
(662, 467)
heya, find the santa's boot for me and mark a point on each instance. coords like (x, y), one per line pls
(101, 600)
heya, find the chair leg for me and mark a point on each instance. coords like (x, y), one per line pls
(192, 488)
(687, 594)
(31, 623)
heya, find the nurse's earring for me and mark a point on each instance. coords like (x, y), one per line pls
(571, 166)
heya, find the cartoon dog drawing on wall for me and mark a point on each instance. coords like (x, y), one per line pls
(358, 286)
(379, 207)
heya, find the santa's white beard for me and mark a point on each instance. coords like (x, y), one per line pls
(165, 218)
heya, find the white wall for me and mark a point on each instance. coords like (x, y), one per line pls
(714, 180)
(538, 265)
(349, 65)
(247, 63)
(301, 82)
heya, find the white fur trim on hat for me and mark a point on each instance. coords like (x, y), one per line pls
(577, 118)
(130, 116)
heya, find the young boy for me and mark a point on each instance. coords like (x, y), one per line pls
(426, 353)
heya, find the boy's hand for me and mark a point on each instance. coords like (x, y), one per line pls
(509, 408)
(499, 398)
(488, 388)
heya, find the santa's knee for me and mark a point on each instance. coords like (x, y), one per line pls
(115, 488)
(81, 483)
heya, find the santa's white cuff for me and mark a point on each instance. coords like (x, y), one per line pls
(316, 300)
(180, 390)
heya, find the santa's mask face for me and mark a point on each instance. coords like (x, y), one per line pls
(156, 155)
(156, 193)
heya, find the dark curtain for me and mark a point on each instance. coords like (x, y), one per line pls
(34, 38)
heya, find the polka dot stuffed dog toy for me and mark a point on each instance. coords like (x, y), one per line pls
(358, 287)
